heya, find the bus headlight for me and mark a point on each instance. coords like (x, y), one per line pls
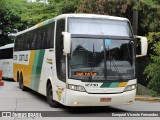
(75, 87)
(130, 87)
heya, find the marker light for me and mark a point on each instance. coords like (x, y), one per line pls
(130, 87)
(75, 87)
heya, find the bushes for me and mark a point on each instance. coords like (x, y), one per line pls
(153, 69)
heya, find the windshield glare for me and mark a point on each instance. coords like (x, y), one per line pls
(101, 59)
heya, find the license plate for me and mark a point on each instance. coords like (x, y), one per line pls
(105, 99)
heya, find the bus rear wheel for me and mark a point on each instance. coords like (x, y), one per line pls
(50, 100)
(21, 86)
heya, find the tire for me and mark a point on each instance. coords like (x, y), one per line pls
(20, 82)
(50, 100)
(21, 86)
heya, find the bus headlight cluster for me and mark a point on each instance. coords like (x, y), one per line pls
(130, 87)
(76, 87)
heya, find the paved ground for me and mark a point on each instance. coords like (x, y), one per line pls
(13, 99)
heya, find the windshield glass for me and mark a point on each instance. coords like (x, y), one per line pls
(92, 26)
(101, 59)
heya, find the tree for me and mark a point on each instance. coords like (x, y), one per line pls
(149, 25)
(106, 7)
(9, 18)
(149, 19)
(153, 69)
(19, 14)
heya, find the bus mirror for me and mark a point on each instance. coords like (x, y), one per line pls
(66, 42)
(144, 46)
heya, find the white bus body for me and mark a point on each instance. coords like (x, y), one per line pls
(97, 70)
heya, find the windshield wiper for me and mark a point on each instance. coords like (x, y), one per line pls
(116, 68)
(92, 66)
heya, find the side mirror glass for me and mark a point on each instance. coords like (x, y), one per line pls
(66, 42)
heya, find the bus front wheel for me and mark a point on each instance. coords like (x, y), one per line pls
(50, 100)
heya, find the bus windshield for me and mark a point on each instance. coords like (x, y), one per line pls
(95, 26)
(101, 59)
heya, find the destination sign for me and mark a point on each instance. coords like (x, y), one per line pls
(85, 73)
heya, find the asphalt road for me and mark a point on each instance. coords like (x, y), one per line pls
(13, 99)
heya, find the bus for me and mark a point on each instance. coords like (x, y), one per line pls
(6, 61)
(79, 60)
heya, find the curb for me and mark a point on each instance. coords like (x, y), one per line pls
(151, 99)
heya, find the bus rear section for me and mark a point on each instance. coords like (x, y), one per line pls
(6, 61)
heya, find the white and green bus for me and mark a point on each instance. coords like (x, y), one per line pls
(6, 61)
(79, 60)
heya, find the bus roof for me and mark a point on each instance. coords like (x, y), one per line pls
(90, 16)
(7, 46)
(70, 15)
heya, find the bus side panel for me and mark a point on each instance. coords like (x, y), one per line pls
(28, 70)
(36, 70)
(46, 71)
(23, 66)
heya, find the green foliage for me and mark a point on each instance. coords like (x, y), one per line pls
(66, 6)
(19, 14)
(154, 93)
(107, 7)
(9, 18)
(153, 69)
(34, 13)
(149, 19)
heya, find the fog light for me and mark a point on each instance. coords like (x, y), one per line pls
(75, 103)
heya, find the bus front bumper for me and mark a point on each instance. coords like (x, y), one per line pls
(76, 98)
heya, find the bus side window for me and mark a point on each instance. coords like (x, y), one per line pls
(33, 44)
(20, 40)
(16, 44)
(39, 37)
(26, 39)
(60, 58)
(51, 40)
(43, 42)
(50, 35)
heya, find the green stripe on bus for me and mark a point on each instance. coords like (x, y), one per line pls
(114, 84)
(37, 67)
(34, 66)
(110, 84)
(106, 84)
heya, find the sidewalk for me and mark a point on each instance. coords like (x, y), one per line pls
(147, 98)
